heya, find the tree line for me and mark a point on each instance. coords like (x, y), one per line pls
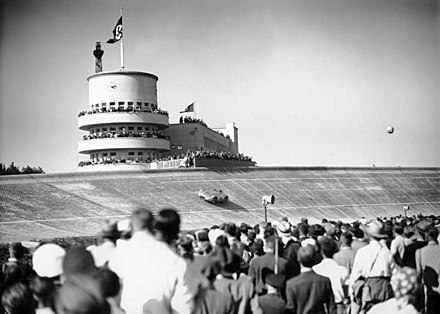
(12, 169)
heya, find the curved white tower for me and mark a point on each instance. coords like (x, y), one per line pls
(123, 123)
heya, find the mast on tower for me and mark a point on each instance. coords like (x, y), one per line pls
(98, 57)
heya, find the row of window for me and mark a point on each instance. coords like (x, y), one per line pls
(123, 129)
(125, 155)
(130, 105)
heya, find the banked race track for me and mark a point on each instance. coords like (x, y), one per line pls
(78, 204)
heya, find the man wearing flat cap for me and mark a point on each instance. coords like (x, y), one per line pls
(409, 255)
(375, 263)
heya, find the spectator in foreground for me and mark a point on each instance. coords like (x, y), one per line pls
(405, 285)
(47, 261)
(17, 299)
(107, 244)
(345, 256)
(43, 290)
(228, 281)
(152, 274)
(336, 273)
(268, 261)
(409, 256)
(110, 287)
(209, 299)
(309, 292)
(375, 263)
(428, 269)
(398, 244)
(272, 302)
(80, 294)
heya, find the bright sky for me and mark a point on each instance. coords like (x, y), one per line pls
(307, 82)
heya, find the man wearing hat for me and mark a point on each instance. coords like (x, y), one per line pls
(272, 302)
(47, 261)
(375, 263)
(409, 255)
(290, 246)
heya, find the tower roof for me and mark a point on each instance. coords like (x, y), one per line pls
(125, 73)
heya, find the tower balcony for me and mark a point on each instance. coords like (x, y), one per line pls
(135, 143)
(88, 120)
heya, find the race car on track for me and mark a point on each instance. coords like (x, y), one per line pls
(213, 196)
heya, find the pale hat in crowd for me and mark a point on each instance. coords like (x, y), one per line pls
(124, 225)
(309, 241)
(329, 229)
(284, 229)
(213, 234)
(376, 230)
(47, 260)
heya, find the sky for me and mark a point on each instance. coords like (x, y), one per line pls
(307, 82)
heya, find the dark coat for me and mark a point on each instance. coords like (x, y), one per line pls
(310, 293)
(272, 303)
(268, 261)
(209, 301)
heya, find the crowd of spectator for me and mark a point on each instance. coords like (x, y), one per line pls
(114, 161)
(187, 159)
(123, 109)
(219, 155)
(125, 134)
(148, 265)
(189, 119)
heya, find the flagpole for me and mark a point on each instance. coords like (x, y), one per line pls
(122, 48)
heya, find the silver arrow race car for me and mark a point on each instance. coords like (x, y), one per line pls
(213, 196)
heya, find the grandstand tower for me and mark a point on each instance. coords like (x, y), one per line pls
(123, 122)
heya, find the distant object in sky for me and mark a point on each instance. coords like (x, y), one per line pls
(390, 130)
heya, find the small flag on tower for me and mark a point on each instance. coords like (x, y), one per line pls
(189, 108)
(117, 32)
